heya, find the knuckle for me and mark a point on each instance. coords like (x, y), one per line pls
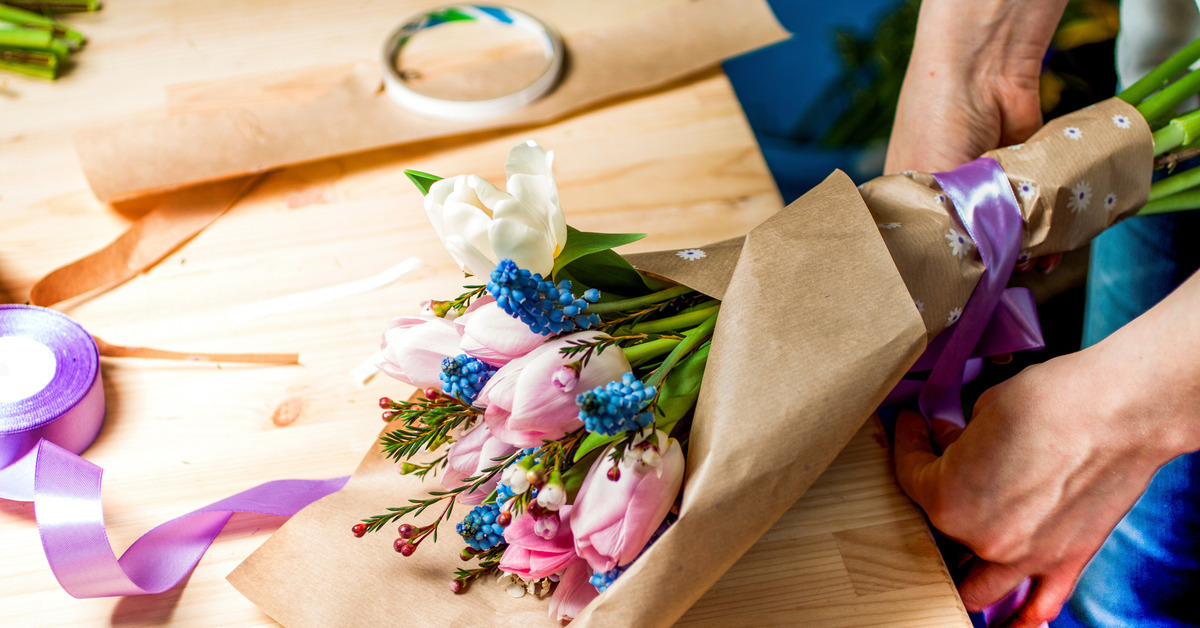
(1002, 547)
(1043, 611)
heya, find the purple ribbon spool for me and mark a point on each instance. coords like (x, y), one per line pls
(44, 424)
(68, 411)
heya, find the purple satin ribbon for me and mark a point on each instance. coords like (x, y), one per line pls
(40, 436)
(996, 319)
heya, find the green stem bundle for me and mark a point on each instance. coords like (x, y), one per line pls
(1156, 97)
(36, 45)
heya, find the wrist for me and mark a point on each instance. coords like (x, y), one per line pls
(1149, 394)
(995, 38)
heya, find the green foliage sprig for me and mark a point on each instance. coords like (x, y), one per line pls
(426, 425)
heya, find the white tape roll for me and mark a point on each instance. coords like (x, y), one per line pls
(401, 93)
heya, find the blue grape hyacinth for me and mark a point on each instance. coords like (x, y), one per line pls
(547, 309)
(479, 528)
(617, 407)
(604, 579)
(464, 376)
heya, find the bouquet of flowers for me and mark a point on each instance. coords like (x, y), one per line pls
(556, 397)
(563, 397)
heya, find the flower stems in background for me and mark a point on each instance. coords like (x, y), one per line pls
(55, 6)
(1162, 75)
(36, 45)
(1157, 96)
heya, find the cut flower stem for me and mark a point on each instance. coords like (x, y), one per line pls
(1188, 199)
(1174, 184)
(677, 322)
(1177, 64)
(639, 353)
(692, 339)
(638, 302)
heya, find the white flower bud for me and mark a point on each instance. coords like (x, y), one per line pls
(651, 457)
(552, 496)
(514, 477)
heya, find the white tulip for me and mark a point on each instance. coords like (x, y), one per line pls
(481, 225)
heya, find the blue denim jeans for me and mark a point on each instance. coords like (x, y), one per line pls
(1148, 571)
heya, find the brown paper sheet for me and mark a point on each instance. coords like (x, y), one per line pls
(614, 48)
(818, 324)
(152, 237)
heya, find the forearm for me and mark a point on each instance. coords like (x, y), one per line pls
(1152, 368)
(1006, 38)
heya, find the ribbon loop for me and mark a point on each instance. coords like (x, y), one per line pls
(991, 215)
(995, 320)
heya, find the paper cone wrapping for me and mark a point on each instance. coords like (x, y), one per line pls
(818, 323)
(614, 48)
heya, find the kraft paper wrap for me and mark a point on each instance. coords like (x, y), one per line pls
(818, 323)
(614, 48)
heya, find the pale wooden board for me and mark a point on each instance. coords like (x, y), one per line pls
(680, 164)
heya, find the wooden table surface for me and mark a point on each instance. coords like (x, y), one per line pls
(680, 164)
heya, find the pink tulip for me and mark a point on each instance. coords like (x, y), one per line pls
(494, 336)
(468, 457)
(525, 407)
(613, 520)
(573, 592)
(532, 557)
(414, 347)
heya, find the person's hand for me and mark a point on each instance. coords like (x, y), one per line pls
(1054, 457)
(972, 81)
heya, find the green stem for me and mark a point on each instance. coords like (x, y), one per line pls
(35, 64)
(1167, 138)
(690, 341)
(31, 20)
(1163, 103)
(638, 302)
(679, 321)
(1182, 130)
(641, 352)
(30, 39)
(1160, 76)
(55, 6)
(1174, 184)
(1189, 199)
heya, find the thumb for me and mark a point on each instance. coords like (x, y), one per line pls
(916, 463)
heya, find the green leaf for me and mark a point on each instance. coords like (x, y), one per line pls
(606, 271)
(681, 389)
(594, 441)
(422, 180)
(583, 243)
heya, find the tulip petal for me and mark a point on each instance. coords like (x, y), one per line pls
(494, 336)
(414, 347)
(461, 221)
(573, 592)
(514, 238)
(613, 521)
(531, 181)
(531, 556)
